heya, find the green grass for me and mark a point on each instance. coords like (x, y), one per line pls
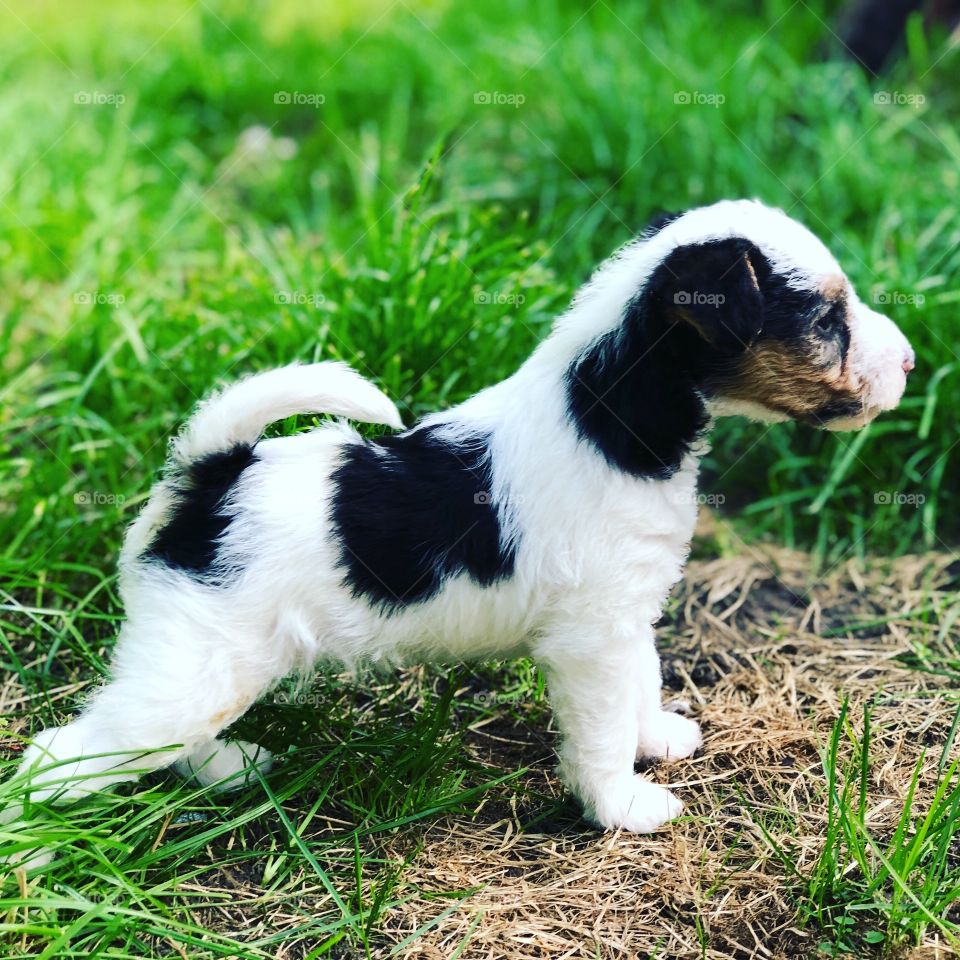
(407, 205)
(139, 868)
(876, 883)
(428, 239)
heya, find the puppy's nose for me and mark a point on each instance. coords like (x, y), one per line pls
(909, 360)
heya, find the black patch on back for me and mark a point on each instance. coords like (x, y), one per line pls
(188, 541)
(637, 393)
(413, 510)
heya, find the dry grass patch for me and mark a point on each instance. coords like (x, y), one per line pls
(385, 829)
(748, 648)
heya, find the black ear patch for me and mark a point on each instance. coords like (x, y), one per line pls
(637, 393)
(413, 510)
(634, 401)
(713, 286)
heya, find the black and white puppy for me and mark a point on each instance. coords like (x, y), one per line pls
(547, 516)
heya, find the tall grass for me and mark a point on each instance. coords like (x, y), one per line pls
(427, 232)
(880, 880)
(434, 182)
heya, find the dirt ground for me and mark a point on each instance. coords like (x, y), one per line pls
(764, 660)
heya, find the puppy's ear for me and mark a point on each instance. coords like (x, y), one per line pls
(712, 287)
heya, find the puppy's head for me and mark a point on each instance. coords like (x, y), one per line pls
(760, 315)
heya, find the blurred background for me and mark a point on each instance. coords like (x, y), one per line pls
(195, 190)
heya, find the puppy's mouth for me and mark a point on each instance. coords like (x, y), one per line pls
(849, 413)
(845, 424)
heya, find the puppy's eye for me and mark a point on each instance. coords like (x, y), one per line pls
(830, 321)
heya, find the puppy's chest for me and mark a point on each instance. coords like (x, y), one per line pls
(648, 515)
(633, 540)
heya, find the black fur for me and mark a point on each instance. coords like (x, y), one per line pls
(832, 326)
(637, 393)
(411, 511)
(792, 314)
(788, 313)
(659, 221)
(188, 541)
(833, 410)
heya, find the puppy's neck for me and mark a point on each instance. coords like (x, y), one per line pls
(625, 387)
(628, 388)
(635, 404)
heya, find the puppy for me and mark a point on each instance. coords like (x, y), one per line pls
(546, 516)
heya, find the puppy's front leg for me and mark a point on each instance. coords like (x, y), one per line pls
(661, 733)
(604, 689)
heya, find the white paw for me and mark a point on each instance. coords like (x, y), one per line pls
(669, 735)
(221, 764)
(55, 766)
(28, 859)
(31, 859)
(636, 805)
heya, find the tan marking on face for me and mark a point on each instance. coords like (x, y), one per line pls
(799, 377)
(834, 288)
(791, 378)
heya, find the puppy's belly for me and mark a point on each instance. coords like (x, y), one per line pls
(464, 621)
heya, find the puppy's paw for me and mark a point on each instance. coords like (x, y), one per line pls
(671, 736)
(228, 765)
(30, 859)
(636, 805)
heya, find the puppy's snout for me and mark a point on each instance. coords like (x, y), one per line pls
(883, 359)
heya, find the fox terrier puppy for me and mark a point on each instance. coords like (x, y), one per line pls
(547, 516)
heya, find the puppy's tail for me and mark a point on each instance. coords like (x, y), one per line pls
(239, 413)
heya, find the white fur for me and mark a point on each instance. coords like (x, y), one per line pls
(240, 413)
(598, 551)
(879, 359)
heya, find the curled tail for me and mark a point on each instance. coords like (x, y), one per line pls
(239, 413)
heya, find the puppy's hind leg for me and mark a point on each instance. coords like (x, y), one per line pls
(220, 763)
(175, 686)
